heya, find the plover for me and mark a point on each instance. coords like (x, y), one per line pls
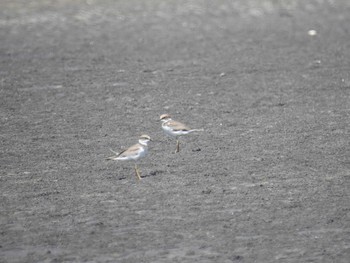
(175, 129)
(134, 153)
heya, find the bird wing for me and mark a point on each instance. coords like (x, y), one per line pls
(177, 126)
(133, 150)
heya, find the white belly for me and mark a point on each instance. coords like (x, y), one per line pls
(141, 153)
(169, 131)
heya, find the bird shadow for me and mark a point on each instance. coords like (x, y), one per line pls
(153, 173)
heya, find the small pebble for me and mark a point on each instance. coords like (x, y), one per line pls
(312, 32)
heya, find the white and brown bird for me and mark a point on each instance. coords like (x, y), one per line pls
(175, 129)
(134, 153)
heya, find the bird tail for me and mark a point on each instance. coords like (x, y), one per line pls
(196, 130)
(113, 157)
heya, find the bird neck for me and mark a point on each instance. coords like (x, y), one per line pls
(143, 142)
(165, 121)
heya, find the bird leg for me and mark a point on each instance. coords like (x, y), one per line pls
(177, 146)
(137, 172)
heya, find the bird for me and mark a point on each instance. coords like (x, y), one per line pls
(134, 153)
(175, 129)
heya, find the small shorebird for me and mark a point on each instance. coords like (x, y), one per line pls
(175, 129)
(134, 153)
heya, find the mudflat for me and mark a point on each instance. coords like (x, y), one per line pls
(266, 181)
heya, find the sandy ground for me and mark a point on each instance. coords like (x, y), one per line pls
(267, 181)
